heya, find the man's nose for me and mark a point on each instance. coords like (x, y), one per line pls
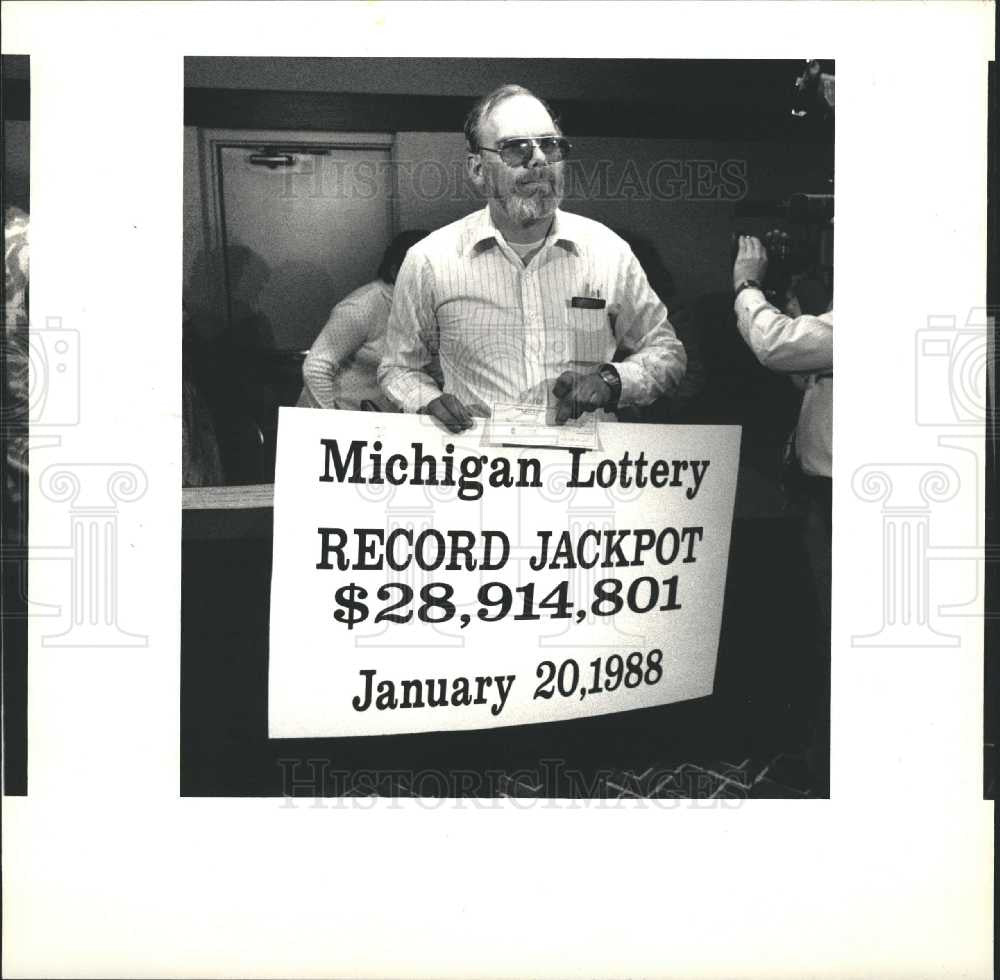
(537, 157)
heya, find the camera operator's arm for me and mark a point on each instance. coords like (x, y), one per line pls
(781, 343)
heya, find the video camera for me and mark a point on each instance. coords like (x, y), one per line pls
(800, 251)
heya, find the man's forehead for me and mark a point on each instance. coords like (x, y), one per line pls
(520, 115)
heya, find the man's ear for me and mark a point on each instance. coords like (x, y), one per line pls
(474, 169)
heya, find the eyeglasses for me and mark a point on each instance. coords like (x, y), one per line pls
(518, 150)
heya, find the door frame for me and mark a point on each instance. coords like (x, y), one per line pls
(211, 142)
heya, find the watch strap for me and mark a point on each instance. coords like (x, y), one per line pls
(748, 284)
(610, 376)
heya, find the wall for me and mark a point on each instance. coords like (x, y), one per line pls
(748, 83)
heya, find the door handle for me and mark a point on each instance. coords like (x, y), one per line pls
(272, 160)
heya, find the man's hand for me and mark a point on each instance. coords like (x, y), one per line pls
(450, 412)
(579, 393)
(751, 260)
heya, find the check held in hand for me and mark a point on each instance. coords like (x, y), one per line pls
(576, 393)
(430, 581)
(533, 425)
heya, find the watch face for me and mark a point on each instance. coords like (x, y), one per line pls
(611, 378)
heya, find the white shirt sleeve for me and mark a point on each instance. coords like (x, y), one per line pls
(656, 360)
(348, 329)
(803, 344)
(403, 373)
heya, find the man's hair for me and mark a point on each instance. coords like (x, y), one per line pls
(474, 120)
(396, 251)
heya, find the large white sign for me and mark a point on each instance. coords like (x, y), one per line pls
(425, 581)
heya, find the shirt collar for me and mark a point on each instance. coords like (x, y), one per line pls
(483, 232)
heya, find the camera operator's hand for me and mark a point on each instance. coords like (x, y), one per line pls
(751, 260)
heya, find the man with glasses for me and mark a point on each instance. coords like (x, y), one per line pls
(522, 302)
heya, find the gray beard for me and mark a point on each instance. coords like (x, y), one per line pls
(526, 210)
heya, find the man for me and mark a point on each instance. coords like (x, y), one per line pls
(801, 346)
(523, 302)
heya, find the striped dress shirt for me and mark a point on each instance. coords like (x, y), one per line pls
(505, 331)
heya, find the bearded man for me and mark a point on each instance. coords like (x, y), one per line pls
(522, 302)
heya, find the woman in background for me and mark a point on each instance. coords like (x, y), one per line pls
(340, 369)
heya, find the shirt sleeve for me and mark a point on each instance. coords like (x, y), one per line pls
(347, 330)
(783, 343)
(403, 373)
(655, 360)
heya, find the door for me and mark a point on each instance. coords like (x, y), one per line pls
(303, 224)
(293, 222)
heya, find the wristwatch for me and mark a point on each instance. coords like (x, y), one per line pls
(748, 284)
(609, 375)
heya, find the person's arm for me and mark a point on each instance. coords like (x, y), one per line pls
(402, 373)
(345, 332)
(656, 360)
(781, 343)
(802, 344)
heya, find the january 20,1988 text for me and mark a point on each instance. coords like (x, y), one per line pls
(603, 675)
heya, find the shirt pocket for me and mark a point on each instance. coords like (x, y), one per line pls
(588, 340)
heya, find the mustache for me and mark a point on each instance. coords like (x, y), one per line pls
(536, 179)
